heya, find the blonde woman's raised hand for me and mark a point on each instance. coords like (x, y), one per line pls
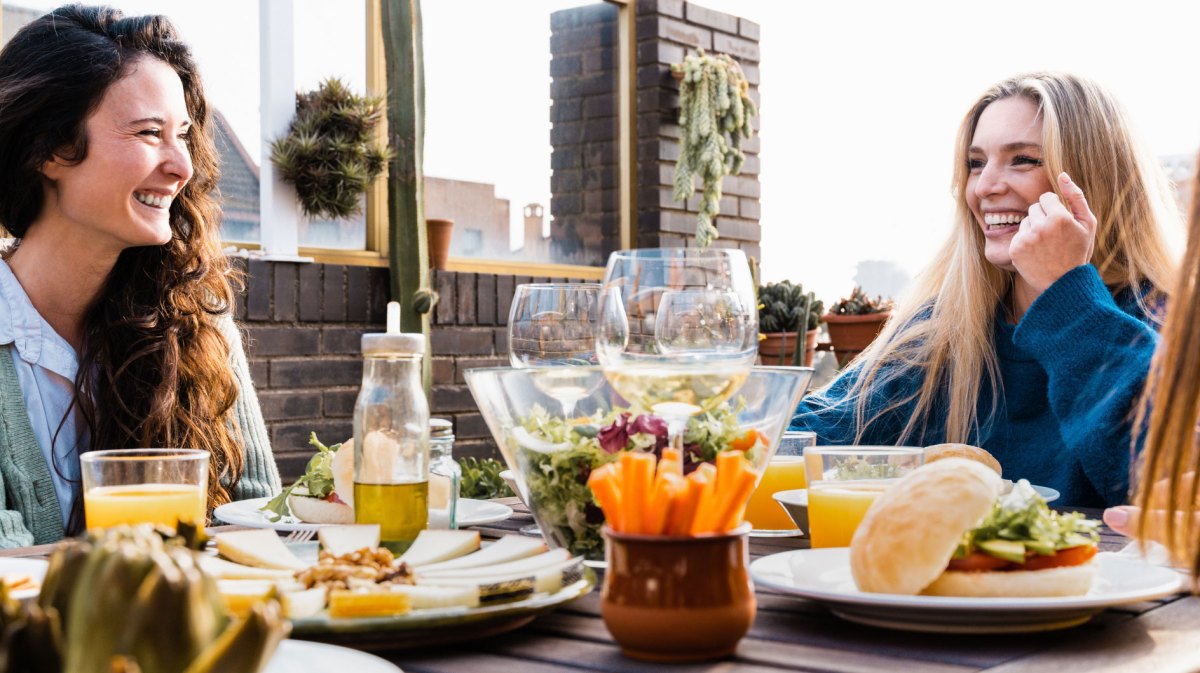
(1056, 236)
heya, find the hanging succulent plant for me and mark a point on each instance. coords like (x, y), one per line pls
(714, 112)
(330, 153)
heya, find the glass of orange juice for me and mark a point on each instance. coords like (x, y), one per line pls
(784, 472)
(843, 482)
(128, 486)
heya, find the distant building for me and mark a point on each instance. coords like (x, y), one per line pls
(15, 18)
(1180, 168)
(881, 277)
(237, 188)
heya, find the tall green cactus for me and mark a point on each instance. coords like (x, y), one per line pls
(408, 248)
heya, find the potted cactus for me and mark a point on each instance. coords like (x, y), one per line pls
(788, 319)
(854, 322)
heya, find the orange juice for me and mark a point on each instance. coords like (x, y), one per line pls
(165, 504)
(835, 508)
(783, 473)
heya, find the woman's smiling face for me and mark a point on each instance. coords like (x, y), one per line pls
(1006, 174)
(137, 162)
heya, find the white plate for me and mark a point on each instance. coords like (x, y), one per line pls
(301, 655)
(35, 568)
(824, 575)
(249, 513)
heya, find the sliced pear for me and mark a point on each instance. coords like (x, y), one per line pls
(343, 472)
(220, 569)
(379, 603)
(433, 546)
(258, 547)
(348, 539)
(507, 548)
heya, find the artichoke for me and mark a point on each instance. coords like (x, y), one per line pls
(132, 601)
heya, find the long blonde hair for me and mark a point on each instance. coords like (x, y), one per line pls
(1167, 486)
(942, 330)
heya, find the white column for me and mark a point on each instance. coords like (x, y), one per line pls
(279, 209)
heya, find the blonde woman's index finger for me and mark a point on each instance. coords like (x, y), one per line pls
(1052, 205)
(1076, 201)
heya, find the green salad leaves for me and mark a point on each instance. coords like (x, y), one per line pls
(1021, 521)
(481, 479)
(317, 480)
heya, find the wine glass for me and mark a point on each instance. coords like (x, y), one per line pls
(678, 330)
(552, 326)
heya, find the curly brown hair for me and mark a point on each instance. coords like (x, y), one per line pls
(154, 367)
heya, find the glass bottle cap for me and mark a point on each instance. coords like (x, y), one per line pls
(397, 343)
(440, 428)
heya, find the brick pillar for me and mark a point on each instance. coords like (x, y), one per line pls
(666, 31)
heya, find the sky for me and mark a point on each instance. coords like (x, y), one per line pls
(861, 99)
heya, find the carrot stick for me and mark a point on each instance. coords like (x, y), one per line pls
(655, 520)
(727, 467)
(672, 454)
(606, 489)
(732, 507)
(638, 473)
(702, 522)
(679, 522)
(670, 465)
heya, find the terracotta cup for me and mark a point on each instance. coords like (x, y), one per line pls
(678, 598)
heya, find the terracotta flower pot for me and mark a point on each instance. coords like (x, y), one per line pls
(438, 231)
(678, 598)
(780, 347)
(851, 334)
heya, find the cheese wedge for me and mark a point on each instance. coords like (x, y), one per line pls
(426, 597)
(381, 603)
(526, 565)
(240, 596)
(303, 603)
(259, 547)
(348, 539)
(516, 586)
(433, 546)
(220, 569)
(507, 548)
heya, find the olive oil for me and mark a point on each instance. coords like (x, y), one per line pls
(401, 510)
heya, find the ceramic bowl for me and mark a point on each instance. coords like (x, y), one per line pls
(795, 502)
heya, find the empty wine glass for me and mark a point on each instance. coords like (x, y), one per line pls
(678, 330)
(552, 326)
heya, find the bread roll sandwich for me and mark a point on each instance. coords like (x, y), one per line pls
(944, 530)
(940, 451)
(325, 492)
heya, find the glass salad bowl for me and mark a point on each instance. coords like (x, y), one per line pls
(552, 453)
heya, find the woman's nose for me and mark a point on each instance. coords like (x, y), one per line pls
(990, 182)
(177, 160)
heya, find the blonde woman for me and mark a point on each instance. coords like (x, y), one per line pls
(1167, 496)
(1032, 332)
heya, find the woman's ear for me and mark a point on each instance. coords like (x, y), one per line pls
(53, 169)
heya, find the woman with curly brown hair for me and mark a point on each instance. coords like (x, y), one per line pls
(115, 300)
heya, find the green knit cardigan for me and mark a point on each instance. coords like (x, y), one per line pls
(29, 511)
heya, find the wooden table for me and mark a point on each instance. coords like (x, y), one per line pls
(793, 634)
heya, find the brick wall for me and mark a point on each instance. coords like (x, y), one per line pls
(667, 30)
(304, 324)
(584, 203)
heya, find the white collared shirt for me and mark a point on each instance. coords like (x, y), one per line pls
(46, 366)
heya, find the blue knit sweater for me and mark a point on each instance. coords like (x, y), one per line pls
(1071, 372)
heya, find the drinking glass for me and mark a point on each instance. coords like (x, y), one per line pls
(129, 486)
(843, 482)
(552, 327)
(785, 472)
(678, 329)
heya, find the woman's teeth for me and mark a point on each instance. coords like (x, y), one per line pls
(998, 220)
(152, 200)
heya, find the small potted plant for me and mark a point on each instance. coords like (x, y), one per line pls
(788, 319)
(854, 322)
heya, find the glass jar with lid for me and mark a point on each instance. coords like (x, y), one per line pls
(445, 476)
(391, 437)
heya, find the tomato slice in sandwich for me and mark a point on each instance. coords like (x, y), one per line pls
(1072, 556)
(977, 561)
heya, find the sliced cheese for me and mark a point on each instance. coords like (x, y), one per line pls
(240, 596)
(426, 597)
(303, 603)
(380, 603)
(220, 569)
(507, 548)
(517, 586)
(341, 540)
(526, 565)
(258, 547)
(433, 546)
